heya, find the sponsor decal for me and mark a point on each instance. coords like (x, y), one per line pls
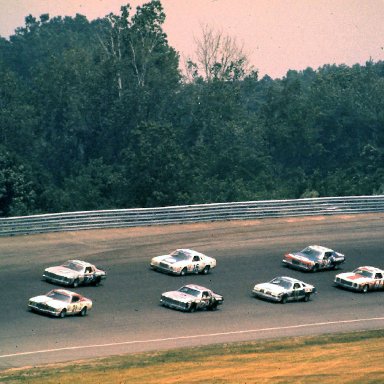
(354, 277)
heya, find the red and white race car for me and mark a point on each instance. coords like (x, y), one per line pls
(362, 279)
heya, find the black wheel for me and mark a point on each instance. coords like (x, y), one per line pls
(205, 271)
(63, 313)
(365, 289)
(315, 268)
(183, 272)
(284, 299)
(75, 283)
(213, 306)
(83, 312)
(306, 297)
(97, 281)
(192, 308)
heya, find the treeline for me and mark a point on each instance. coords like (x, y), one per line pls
(96, 115)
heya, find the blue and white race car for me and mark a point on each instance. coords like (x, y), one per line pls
(314, 258)
(283, 288)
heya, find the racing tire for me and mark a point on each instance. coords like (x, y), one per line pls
(183, 272)
(97, 281)
(213, 306)
(192, 308)
(205, 271)
(75, 283)
(365, 289)
(315, 268)
(83, 312)
(284, 299)
(306, 298)
(63, 313)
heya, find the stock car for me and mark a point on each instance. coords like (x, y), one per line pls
(283, 288)
(314, 258)
(60, 303)
(362, 279)
(183, 261)
(73, 273)
(191, 297)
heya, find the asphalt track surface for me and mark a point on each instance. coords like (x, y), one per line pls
(127, 317)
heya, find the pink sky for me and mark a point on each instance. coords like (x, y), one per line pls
(278, 35)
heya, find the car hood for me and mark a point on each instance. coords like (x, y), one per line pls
(353, 277)
(179, 296)
(57, 304)
(270, 287)
(302, 256)
(63, 271)
(168, 259)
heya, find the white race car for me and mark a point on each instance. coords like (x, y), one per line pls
(313, 258)
(362, 279)
(60, 303)
(282, 289)
(190, 298)
(73, 273)
(183, 261)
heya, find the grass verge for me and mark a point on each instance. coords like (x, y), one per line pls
(344, 358)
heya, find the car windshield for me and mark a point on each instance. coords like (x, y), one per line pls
(74, 266)
(311, 253)
(190, 291)
(59, 296)
(180, 255)
(363, 273)
(282, 282)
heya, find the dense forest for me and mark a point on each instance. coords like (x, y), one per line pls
(98, 115)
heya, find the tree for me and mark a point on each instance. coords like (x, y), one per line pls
(18, 117)
(154, 166)
(218, 56)
(143, 70)
(136, 44)
(17, 195)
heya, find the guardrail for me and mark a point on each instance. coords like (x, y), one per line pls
(74, 221)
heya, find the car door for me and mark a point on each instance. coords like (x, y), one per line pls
(205, 299)
(379, 281)
(196, 264)
(89, 275)
(298, 291)
(327, 259)
(74, 306)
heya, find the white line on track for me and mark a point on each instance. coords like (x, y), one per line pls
(192, 336)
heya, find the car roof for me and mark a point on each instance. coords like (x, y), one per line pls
(370, 269)
(292, 279)
(190, 251)
(197, 287)
(320, 248)
(80, 262)
(65, 292)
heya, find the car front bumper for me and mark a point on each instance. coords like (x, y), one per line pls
(164, 270)
(52, 278)
(298, 265)
(348, 285)
(174, 304)
(266, 296)
(36, 307)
